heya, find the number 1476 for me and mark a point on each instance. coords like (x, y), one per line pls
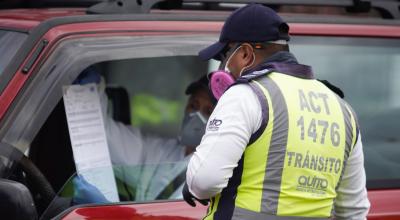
(319, 134)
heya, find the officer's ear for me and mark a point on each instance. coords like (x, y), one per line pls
(247, 54)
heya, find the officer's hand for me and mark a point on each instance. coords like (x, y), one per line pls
(334, 89)
(86, 193)
(189, 198)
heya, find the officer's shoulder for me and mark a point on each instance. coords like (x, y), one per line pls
(239, 89)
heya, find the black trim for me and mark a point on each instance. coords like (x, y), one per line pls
(125, 6)
(25, 31)
(354, 116)
(174, 184)
(383, 184)
(264, 113)
(226, 204)
(34, 56)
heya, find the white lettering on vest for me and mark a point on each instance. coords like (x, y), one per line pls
(314, 102)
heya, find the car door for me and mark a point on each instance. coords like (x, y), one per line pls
(160, 65)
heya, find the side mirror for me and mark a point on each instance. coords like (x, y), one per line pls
(16, 201)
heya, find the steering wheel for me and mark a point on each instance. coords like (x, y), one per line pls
(37, 181)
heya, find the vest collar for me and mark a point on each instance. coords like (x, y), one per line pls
(286, 63)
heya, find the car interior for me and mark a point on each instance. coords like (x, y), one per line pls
(51, 149)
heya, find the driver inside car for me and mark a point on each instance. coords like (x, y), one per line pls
(164, 160)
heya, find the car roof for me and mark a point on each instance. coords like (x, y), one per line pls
(27, 19)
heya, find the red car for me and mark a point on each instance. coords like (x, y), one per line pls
(148, 55)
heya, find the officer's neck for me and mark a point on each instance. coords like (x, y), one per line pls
(281, 57)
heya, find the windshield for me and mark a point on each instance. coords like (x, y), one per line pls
(10, 42)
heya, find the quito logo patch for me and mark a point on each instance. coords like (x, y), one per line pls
(214, 125)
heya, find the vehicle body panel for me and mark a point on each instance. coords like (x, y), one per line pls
(384, 202)
(27, 19)
(160, 210)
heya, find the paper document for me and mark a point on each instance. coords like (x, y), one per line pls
(88, 138)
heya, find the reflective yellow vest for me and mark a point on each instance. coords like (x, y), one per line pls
(294, 165)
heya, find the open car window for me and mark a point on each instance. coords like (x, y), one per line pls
(135, 183)
(142, 97)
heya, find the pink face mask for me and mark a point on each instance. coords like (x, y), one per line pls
(219, 82)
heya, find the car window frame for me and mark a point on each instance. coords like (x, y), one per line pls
(43, 88)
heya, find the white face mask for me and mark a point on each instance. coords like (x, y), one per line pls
(226, 68)
(193, 129)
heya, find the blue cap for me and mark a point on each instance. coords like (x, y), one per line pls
(89, 75)
(252, 23)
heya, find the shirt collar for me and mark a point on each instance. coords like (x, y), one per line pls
(286, 63)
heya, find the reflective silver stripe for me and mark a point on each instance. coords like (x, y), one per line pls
(348, 143)
(277, 148)
(353, 115)
(264, 112)
(349, 136)
(244, 214)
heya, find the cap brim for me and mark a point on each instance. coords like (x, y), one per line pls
(212, 51)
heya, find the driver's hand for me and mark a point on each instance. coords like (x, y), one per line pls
(189, 198)
(85, 193)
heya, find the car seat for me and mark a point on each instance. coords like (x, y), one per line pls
(120, 104)
(17, 202)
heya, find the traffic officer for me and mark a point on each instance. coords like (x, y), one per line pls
(279, 144)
